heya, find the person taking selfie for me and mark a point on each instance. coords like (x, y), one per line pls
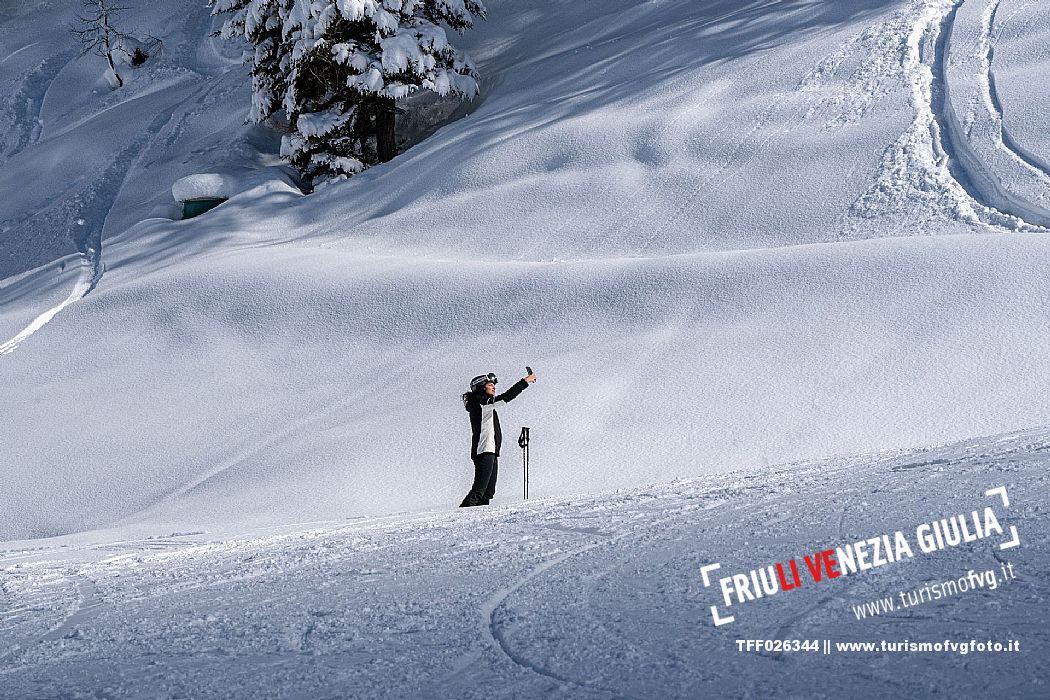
(481, 402)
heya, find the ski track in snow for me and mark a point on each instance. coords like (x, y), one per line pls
(995, 105)
(90, 272)
(492, 628)
(933, 163)
(931, 23)
(18, 51)
(313, 611)
(87, 605)
(951, 136)
(940, 171)
(23, 107)
(96, 205)
(972, 124)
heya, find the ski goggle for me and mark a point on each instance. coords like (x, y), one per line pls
(481, 380)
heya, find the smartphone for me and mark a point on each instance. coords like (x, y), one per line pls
(528, 370)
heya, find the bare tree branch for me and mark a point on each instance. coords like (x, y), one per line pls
(95, 29)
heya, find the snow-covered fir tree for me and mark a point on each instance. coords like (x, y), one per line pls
(337, 68)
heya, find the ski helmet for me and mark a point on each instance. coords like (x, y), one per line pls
(478, 383)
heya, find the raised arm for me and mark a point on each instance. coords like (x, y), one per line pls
(518, 387)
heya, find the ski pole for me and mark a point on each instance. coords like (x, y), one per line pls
(523, 443)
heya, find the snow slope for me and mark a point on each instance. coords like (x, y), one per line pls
(75, 152)
(594, 596)
(708, 227)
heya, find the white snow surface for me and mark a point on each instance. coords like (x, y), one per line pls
(725, 234)
(589, 596)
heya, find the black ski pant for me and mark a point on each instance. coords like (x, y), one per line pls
(484, 488)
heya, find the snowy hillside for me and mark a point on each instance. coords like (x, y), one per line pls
(725, 234)
(597, 596)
